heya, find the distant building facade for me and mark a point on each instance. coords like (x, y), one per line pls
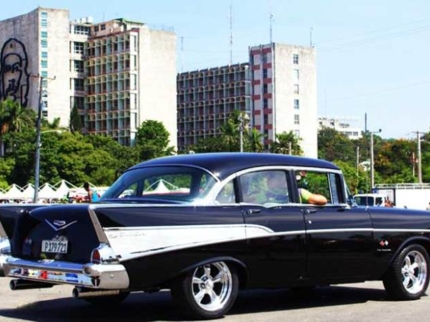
(207, 98)
(276, 89)
(344, 125)
(118, 73)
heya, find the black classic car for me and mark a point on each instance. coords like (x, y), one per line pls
(207, 225)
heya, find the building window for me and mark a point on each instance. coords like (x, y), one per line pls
(265, 73)
(44, 34)
(296, 75)
(103, 27)
(265, 58)
(78, 66)
(96, 28)
(44, 54)
(44, 43)
(265, 89)
(265, 103)
(297, 133)
(296, 88)
(44, 64)
(266, 119)
(296, 59)
(78, 47)
(44, 74)
(44, 19)
(81, 30)
(79, 84)
(296, 104)
(296, 119)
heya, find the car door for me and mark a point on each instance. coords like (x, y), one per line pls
(339, 238)
(275, 232)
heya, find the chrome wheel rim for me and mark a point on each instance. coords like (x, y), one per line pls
(212, 286)
(414, 272)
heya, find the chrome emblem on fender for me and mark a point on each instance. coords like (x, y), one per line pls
(60, 223)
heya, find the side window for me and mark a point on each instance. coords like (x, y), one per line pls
(226, 195)
(265, 187)
(314, 187)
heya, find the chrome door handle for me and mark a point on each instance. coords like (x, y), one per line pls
(253, 211)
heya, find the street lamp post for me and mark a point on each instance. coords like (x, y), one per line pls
(243, 119)
(372, 171)
(37, 156)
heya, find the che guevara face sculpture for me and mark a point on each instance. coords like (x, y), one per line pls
(14, 76)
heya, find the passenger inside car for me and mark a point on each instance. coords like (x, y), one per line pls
(305, 195)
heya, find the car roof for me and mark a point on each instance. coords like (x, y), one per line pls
(222, 164)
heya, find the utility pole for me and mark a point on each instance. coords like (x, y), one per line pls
(37, 156)
(419, 158)
(372, 170)
(38, 138)
(231, 34)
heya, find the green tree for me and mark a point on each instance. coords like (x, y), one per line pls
(333, 145)
(75, 123)
(286, 142)
(152, 140)
(255, 141)
(14, 118)
(54, 125)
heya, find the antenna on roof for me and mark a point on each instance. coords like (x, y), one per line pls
(310, 37)
(231, 33)
(271, 19)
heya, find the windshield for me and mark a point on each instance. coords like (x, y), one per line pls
(172, 183)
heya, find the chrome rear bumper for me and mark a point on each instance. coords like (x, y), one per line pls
(95, 276)
(4, 253)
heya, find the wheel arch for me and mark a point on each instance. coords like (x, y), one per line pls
(420, 240)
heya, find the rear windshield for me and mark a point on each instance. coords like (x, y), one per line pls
(173, 183)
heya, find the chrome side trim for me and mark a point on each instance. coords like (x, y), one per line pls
(96, 276)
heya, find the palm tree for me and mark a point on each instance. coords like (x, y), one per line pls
(286, 143)
(54, 125)
(255, 139)
(14, 118)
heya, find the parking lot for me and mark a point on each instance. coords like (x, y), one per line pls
(352, 302)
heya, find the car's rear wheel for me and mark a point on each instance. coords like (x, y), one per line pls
(208, 291)
(408, 275)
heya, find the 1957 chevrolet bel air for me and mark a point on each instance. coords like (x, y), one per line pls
(206, 225)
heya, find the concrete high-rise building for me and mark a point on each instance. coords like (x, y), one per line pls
(276, 89)
(285, 93)
(207, 98)
(118, 73)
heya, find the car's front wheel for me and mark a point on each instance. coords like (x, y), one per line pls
(208, 291)
(408, 275)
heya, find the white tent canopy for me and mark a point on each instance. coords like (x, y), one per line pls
(13, 192)
(46, 192)
(63, 189)
(28, 192)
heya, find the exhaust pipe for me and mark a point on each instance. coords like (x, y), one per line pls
(79, 292)
(19, 284)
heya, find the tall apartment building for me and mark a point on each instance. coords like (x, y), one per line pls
(276, 88)
(118, 73)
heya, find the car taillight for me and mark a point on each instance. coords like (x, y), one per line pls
(95, 256)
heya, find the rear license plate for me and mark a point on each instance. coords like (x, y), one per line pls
(54, 246)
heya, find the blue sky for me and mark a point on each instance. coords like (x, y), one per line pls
(372, 56)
